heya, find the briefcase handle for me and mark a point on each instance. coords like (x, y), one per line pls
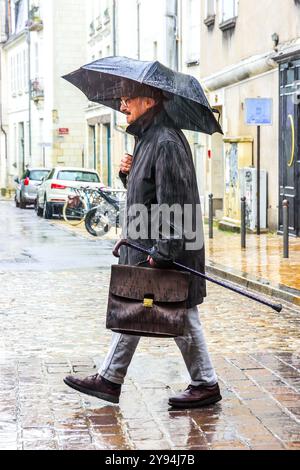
(227, 285)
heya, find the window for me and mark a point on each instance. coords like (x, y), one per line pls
(228, 13)
(26, 70)
(210, 8)
(38, 175)
(82, 176)
(20, 15)
(210, 12)
(229, 9)
(19, 71)
(13, 75)
(36, 59)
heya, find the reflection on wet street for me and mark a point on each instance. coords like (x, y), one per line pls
(30, 243)
(262, 259)
(54, 287)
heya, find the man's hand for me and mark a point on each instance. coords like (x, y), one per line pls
(126, 164)
(152, 262)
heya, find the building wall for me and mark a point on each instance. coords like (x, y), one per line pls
(251, 35)
(67, 106)
(265, 85)
(17, 106)
(58, 48)
(237, 64)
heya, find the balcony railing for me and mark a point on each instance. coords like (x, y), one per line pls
(37, 89)
(34, 22)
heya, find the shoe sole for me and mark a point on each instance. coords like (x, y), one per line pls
(86, 391)
(196, 404)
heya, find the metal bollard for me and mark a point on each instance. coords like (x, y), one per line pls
(210, 216)
(285, 212)
(243, 222)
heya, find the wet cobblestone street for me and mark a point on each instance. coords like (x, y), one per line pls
(52, 311)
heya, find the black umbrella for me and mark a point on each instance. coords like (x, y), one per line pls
(106, 80)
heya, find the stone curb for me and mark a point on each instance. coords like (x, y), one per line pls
(259, 285)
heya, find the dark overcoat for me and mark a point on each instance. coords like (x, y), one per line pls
(163, 172)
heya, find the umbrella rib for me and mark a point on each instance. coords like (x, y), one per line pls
(148, 70)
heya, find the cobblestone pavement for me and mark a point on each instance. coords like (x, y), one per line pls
(53, 323)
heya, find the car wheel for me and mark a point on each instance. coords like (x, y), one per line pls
(16, 201)
(47, 210)
(37, 208)
(22, 203)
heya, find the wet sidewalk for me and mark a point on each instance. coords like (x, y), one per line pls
(53, 296)
(260, 266)
(255, 352)
(259, 411)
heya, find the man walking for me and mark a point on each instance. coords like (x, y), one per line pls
(160, 172)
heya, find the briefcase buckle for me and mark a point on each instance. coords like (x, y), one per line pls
(148, 303)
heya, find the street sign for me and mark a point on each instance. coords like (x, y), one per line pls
(258, 111)
(63, 131)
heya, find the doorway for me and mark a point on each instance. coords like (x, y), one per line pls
(289, 145)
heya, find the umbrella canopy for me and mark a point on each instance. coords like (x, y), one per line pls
(105, 80)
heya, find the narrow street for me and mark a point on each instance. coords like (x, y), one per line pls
(54, 286)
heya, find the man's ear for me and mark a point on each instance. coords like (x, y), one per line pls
(150, 102)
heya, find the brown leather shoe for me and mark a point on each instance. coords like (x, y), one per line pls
(196, 396)
(94, 385)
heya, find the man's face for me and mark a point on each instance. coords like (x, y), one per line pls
(135, 107)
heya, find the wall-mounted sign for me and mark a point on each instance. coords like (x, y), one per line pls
(45, 144)
(258, 111)
(63, 131)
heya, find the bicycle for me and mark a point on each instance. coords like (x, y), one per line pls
(101, 218)
(77, 205)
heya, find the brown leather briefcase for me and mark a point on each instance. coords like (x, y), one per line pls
(147, 301)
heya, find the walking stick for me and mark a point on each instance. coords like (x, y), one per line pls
(227, 285)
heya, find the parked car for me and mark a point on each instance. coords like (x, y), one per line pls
(57, 186)
(27, 186)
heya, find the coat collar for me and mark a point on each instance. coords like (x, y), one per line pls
(155, 116)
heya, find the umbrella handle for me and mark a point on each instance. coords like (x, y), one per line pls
(131, 245)
(227, 285)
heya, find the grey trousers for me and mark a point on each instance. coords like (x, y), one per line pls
(192, 347)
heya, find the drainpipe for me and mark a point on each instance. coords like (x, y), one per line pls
(1, 113)
(29, 83)
(114, 38)
(1, 103)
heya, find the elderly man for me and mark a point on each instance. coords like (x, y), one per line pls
(161, 171)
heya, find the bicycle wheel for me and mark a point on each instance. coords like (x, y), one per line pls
(96, 223)
(74, 214)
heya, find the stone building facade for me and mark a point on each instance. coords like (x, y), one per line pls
(252, 51)
(42, 118)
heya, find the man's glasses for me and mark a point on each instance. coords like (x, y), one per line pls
(124, 102)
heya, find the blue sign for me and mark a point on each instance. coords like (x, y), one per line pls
(259, 111)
